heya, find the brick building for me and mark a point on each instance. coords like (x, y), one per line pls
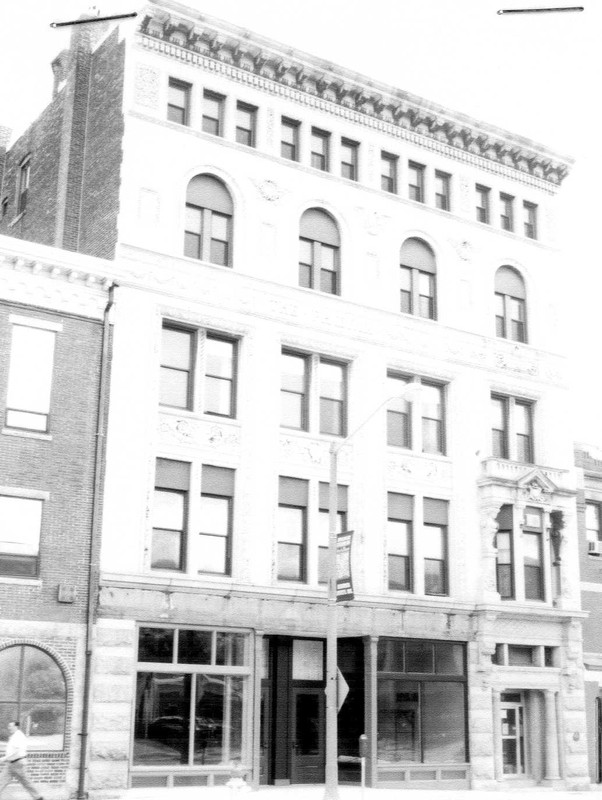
(295, 245)
(51, 341)
(589, 505)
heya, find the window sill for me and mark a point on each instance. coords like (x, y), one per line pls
(20, 581)
(45, 437)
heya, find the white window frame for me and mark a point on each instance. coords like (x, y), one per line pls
(25, 494)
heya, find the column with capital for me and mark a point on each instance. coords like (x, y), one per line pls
(489, 528)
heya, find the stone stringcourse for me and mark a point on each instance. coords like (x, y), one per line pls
(234, 47)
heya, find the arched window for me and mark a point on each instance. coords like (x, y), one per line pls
(418, 271)
(34, 693)
(319, 252)
(208, 233)
(510, 305)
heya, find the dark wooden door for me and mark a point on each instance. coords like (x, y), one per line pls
(307, 735)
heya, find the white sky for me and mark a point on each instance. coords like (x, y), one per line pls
(535, 74)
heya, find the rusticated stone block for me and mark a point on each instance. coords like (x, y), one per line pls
(114, 665)
(112, 719)
(112, 690)
(115, 637)
(109, 750)
(481, 746)
(105, 775)
(482, 768)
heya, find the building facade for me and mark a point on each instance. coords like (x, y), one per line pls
(304, 255)
(51, 346)
(589, 498)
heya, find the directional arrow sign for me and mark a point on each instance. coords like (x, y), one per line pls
(342, 689)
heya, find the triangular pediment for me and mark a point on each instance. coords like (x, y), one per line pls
(535, 481)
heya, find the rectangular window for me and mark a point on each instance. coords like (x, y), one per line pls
(349, 159)
(499, 427)
(442, 190)
(533, 553)
(213, 113)
(388, 172)
(180, 351)
(521, 656)
(416, 181)
(23, 187)
(320, 141)
(332, 388)
(482, 206)
(530, 223)
(505, 557)
(507, 212)
(246, 124)
(289, 142)
(170, 512)
(178, 102)
(400, 517)
(292, 529)
(433, 433)
(220, 376)
(434, 545)
(20, 526)
(524, 431)
(324, 524)
(30, 374)
(399, 427)
(593, 529)
(294, 391)
(216, 512)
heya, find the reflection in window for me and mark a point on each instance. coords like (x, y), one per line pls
(33, 691)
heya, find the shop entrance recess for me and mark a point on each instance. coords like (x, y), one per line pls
(512, 709)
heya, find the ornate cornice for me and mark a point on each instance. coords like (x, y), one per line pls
(54, 271)
(178, 32)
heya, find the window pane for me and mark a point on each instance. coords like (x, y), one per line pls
(30, 372)
(218, 396)
(290, 565)
(213, 554)
(399, 573)
(176, 348)
(215, 514)
(449, 658)
(443, 722)
(218, 253)
(155, 644)
(162, 722)
(331, 417)
(398, 429)
(522, 418)
(230, 649)
(398, 715)
(194, 647)
(293, 372)
(405, 278)
(166, 550)
(419, 657)
(43, 724)
(434, 577)
(433, 541)
(291, 523)
(42, 677)
(20, 521)
(292, 410)
(192, 245)
(174, 388)
(431, 436)
(332, 383)
(218, 719)
(308, 660)
(219, 357)
(194, 220)
(168, 510)
(390, 655)
(398, 537)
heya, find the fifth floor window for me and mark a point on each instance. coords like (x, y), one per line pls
(417, 268)
(510, 305)
(319, 252)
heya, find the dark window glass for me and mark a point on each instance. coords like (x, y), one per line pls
(398, 715)
(499, 427)
(293, 391)
(416, 182)
(156, 644)
(434, 548)
(177, 348)
(245, 124)
(230, 649)
(162, 721)
(530, 224)
(178, 100)
(218, 720)
(23, 190)
(289, 144)
(419, 657)
(507, 212)
(482, 206)
(431, 400)
(391, 655)
(442, 190)
(405, 282)
(169, 523)
(519, 656)
(523, 429)
(212, 113)
(388, 173)
(449, 658)
(319, 149)
(443, 722)
(331, 379)
(291, 543)
(323, 539)
(349, 153)
(194, 647)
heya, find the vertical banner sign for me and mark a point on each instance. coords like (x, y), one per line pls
(344, 582)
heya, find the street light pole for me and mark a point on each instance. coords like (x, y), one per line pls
(331, 788)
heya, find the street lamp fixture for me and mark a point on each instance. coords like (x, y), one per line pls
(410, 393)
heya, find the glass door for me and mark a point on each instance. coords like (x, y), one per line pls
(513, 737)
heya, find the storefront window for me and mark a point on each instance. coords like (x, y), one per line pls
(421, 720)
(191, 713)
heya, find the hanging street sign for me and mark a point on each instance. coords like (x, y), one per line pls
(344, 582)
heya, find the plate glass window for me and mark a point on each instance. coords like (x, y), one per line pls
(289, 142)
(30, 378)
(442, 190)
(416, 181)
(20, 526)
(178, 102)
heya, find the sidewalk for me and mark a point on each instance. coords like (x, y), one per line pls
(346, 792)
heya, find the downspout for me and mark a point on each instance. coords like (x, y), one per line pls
(93, 572)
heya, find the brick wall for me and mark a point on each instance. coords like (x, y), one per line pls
(63, 466)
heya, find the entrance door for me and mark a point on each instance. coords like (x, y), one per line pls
(307, 735)
(513, 737)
